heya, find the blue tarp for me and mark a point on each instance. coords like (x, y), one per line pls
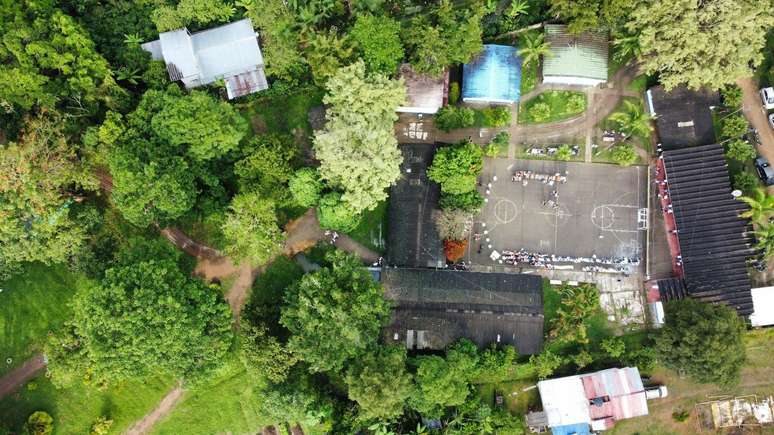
(494, 75)
(572, 429)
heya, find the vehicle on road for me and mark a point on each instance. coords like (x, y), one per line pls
(765, 171)
(656, 392)
(767, 96)
(771, 120)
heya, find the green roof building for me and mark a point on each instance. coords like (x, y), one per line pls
(577, 59)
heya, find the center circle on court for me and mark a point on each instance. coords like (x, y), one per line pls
(603, 217)
(505, 211)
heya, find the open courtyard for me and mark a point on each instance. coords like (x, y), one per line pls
(584, 215)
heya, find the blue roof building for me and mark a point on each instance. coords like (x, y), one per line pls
(493, 76)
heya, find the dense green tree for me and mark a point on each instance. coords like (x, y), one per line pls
(378, 40)
(334, 314)
(326, 53)
(297, 400)
(740, 150)
(187, 12)
(444, 382)
(532, 47)
(704, 340)
(633, 120)
(577, 305)
(469, 201)
(279, 43)
(496, 365)
(701, 43)
(39, 423)
(733, 126)
(184, 326)
(263, 355)
(305, 186)
(48, 59)
(456, 167)
(584, 15)
(358, 151)
(334, 214)
(546, 363)
(761, 205)
(42, 178)
(267, 165)
(251, 229)
(379, 383)
(627, 47)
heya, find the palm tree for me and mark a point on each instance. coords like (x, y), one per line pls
(761, 205)
(132, 39)
(627, 47)
(633, 120)
(765, 236)
(518, 7)
(532, 47)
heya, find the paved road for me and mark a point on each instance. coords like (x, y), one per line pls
(20, 375)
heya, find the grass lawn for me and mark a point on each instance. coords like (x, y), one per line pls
(372, 230)
(31, 304)
(559, 103)
(75, 409)
(285, 113)
(639, 84)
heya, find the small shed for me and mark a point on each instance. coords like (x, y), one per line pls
(576, 59)
(493, 76)
(424, 94)
(763, 306)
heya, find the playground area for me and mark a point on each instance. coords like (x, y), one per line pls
(556, 215)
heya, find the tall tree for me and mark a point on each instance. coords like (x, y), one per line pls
(380, 384)
(358, 151)
(191, 11)
(633, 120)
(147, 315)
(42, 177)
(704, 340)
(251, 229)
(379, 42)
(582, 15)
(334, 314)
(456, 167)
(761, 205)
(532, 46)
(701, 43)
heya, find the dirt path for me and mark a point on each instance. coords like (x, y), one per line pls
(17, 377)
(753, 110)
(164, 407)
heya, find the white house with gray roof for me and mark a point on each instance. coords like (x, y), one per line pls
(229, 52)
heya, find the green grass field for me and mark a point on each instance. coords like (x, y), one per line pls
(372, 230)
(284, 114)
(32, 304)
(559, 107)
(75, 409)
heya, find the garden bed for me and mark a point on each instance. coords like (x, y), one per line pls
(552, 106)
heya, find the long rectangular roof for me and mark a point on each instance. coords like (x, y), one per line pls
(448, 305)
(715, 242)
(227, 50)
(412, 239)
(683, 116)
(582, 55)
(493, 76)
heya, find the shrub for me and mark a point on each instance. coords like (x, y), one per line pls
(454, 249)
(564, 153)
(496, 364)
(454, 93)
(305, 186)
(496, 116)
(614, 346)
(576, 103)
(101, 426)
(546, 363)
(680, 415)
(450, 117)
(39, 423)
(732, 96)
(623, 154)
(539, 112)
(740, 150)
(468, 201)
(745, 181)
(334, 214)
(582, 359)
(733, 127)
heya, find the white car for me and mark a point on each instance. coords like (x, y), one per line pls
(771, 120)
(767, 96)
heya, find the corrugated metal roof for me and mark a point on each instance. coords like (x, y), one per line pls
(763, 306)
(564, 401)
(584, 55)
(494, 75)
(177, 50)
(246, 83)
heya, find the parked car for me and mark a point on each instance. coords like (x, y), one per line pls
(658, 392)
(771, 120)
(767, 96)
(765, 171)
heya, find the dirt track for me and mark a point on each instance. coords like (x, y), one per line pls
(20, 375)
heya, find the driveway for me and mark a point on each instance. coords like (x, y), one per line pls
(755, 113)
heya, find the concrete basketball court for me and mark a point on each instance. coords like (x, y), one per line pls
(598, 211)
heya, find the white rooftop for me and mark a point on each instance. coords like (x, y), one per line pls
(564, 401)
(763, 306)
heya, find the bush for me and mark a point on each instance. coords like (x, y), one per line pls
(540, 112)
(454, 93)
(614, 347)
(624, 154)
(498, 142)
(546, 363)
(469, 201)
(496, 364)
(450, 117)
(733, 127)
(745, 181)
(576, 103)
(496, 116)
(454, 249)
(101, 426)
(680, 415)
(564, 153)
(305, 186)
(732, 96)
(740, 150)
(334, 214)
(39, 423)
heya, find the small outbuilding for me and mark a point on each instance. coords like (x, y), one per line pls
(424, 94)
(683, 116)
(763, 306)
(493, 76)
(575, 59)
(229, 52)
